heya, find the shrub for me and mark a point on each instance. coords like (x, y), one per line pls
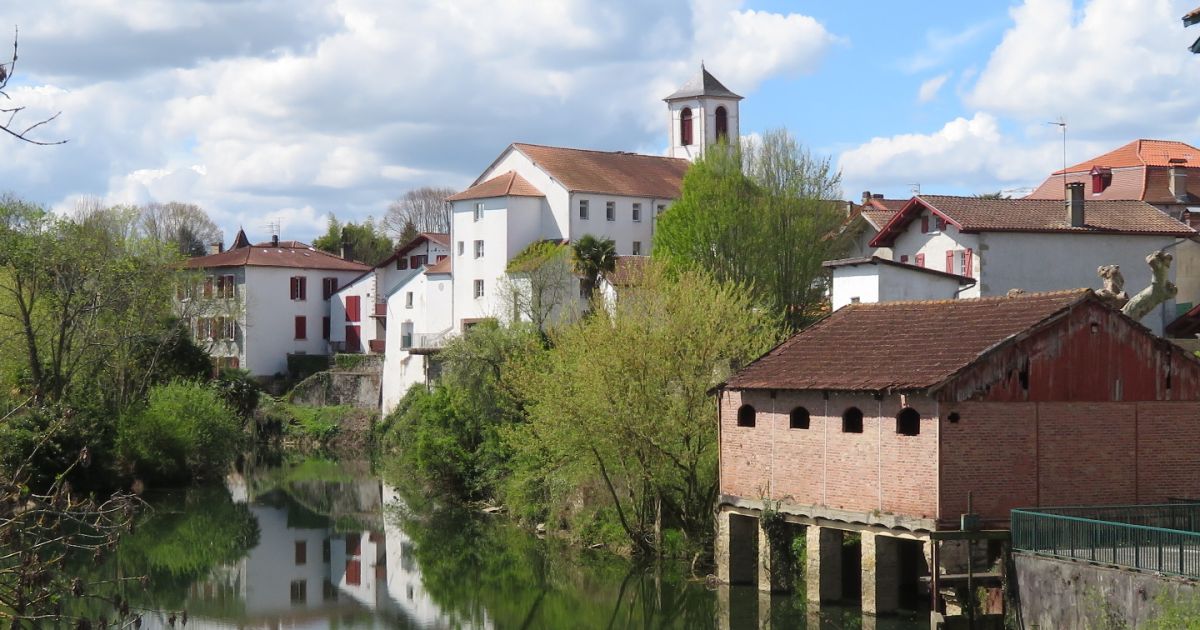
(185, 430)
(240, 391)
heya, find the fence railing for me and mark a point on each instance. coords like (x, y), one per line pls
(1159, 538)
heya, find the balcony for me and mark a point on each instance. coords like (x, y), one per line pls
(425, 343)
(377, 346)
(380, 310)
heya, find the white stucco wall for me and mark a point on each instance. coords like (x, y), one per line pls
(934, 246)
(704, 125)
(859, 282)
(553, 216)
(887, 283)
(623, 230)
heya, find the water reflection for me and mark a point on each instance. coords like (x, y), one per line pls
(320, 544)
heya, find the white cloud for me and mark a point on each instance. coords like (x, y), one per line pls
(249, 107)
(930, 87)
(940, 47)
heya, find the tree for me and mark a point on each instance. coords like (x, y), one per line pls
(8, 126)
(621, 403)
(593, 258)
(356, 241)
(765, 215)
(185, 225)
(424, 209)
(540, 284)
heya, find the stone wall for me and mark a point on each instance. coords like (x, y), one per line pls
(358, 388)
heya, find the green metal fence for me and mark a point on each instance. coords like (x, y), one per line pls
(1160, 538)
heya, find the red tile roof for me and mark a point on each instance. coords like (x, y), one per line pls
(889, 345)
(609, 172)
(291, 254)
(876, 260)
(441, 266)
(1142, 153)
(509, 184)
(974, 214)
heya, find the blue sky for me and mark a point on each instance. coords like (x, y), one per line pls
(287, 110)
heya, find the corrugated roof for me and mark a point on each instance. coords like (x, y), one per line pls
(702, 84)
(1143, 152)
(509, 184)
(292, 254)
(609, 172)
(974, 214)
(899, 345)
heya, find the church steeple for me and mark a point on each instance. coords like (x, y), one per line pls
(702, 113)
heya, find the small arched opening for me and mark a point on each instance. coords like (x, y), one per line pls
(798, 419)
(908, 422)
(746, 416)
(852, 420)
(685, 126)
(722, 124)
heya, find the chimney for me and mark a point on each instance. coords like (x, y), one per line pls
(1178, 184)
(216, 247)
(347, 248)
(878, 195)
(274, 240)
(1075, 204)
(866, 196)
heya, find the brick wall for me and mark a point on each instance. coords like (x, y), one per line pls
(1167, 461)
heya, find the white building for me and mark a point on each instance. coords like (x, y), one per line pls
(534, 193)
(875, 279)
(1028, 244)
(254, 305)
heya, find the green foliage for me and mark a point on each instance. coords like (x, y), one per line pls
(316, 423)
(240, 391)
(302, 366)
(621, 403)
(351, 361)
(1175, 610)
(594, 257)
(365, 241)
(185, 430)
(765, 216)
(786, 560)
(541, 285)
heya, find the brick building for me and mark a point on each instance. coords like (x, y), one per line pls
(880, 419)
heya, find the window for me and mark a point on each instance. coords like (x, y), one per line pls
(353, 308)
(418, 261)
(325, 328)
(852, 420)
(908, 422)
(637, 212)
(301, 327)
(904, 258)
(798, 418)
(299, 589)
(479, 211)
(746, 416)
(583, 209)
(939, 224)
(659, 210)
(920, 260)
(401, 263)
(968, 265)
(478, 289)
(326, 551)
(1101, 180)
(636, 250)
(461, 248)
(329, 286)
(408, 299)
(226, 287)
(722, 124)
(479, 249)
(328, 591)
(228, 328)
(299, 288)
(610, 211)
(301, 552)
(685, 126)
(441, 257)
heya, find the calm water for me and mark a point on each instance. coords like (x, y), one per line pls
(317, 544)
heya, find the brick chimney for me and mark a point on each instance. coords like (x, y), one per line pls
(866, 197)
(216, 247)
(1178, 184)
(274, 240)
(1075, 204)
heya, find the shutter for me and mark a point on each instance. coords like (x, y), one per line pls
(920, 260)
(949, 261)
(904, 259)
(303, 288)
(924, 225)
(968, 263)
(352, 308)
(325, 328)
(294, 287)
(301, 327)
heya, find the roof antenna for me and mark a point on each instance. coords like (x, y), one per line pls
(915, 188)
(1062, 124)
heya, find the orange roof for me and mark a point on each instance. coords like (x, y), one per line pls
(441, 266)
(292, 254)
(1143, 153)
(609, 172)
(509, 184)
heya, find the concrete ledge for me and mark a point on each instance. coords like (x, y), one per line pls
(831, 517)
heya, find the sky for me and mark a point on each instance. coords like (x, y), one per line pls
(285, 111)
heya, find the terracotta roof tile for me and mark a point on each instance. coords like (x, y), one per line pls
(1143, 153)
(892, 345)
(441, 266)
(291, 254)
(610, 172)
(509, 184)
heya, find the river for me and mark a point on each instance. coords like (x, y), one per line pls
(321, 544)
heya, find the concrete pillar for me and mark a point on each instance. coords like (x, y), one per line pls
(721, 546)
(772, 575)
(880, 574)
(722, 612)
(764, 610)
(824, 571)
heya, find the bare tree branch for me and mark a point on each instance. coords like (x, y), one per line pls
(6, 74)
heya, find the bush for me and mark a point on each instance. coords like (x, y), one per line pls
(240, 391)
(317, 423)
(185, 431)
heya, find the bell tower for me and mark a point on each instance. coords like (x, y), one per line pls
(702, 113)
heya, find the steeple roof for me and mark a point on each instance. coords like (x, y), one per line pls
(702, 84)
(240, 240)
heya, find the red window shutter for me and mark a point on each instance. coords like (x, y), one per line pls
(353, 572)
(325, 328)
(301, 327)
(940, 223)
(968, 266)
(441, 257)
(949, 261)
(904, 258)
(352, 307)
(303, 288)
(920, 260)
(924, 225)
(294, 287)
(353, 339)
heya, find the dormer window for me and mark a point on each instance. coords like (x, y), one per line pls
(1101, 179)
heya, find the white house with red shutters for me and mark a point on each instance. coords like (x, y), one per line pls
(358, 315)
(253, 305)
(996, 245)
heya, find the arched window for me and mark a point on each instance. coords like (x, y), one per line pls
(685, 126)
(852, 420)
(746, 416)
(798, 419)
(908, 422)
(722, 125)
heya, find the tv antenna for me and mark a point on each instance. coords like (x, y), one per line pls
(273, 227)
(915, 188)
(1062, 124)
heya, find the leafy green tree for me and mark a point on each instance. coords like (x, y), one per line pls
(185, 430)
(765, 215)
(621, 403)
(540, 284)
(361, 241)
(594, 257)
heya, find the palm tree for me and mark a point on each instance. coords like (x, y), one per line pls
(593, 257)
